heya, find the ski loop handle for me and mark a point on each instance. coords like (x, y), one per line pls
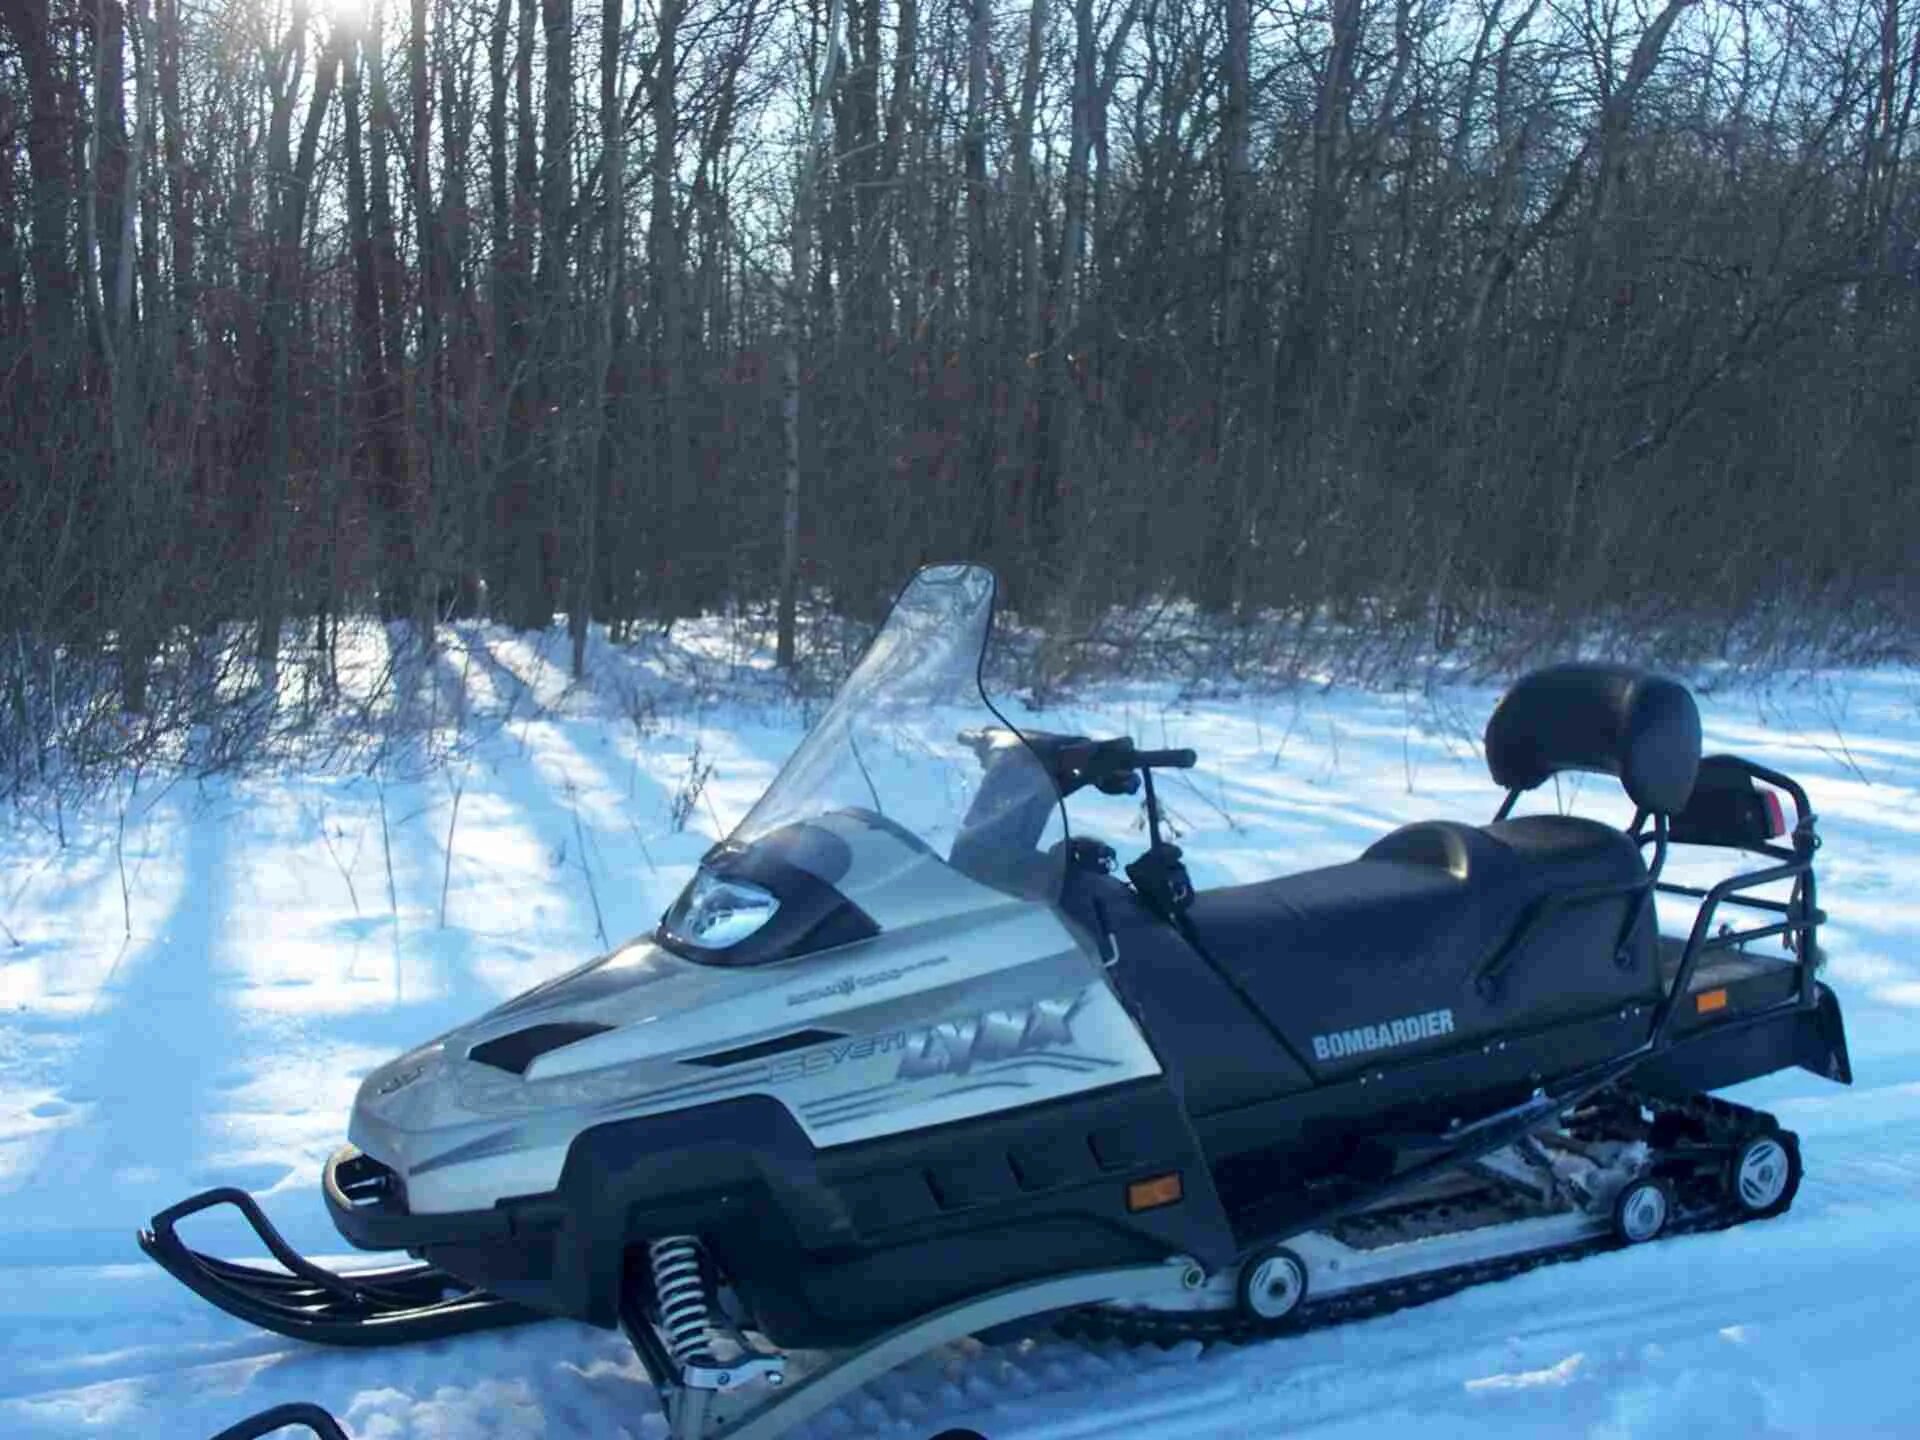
(255, 1217)
(280, 1417)
(386, 1306)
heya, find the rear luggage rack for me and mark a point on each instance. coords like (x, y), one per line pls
(1728, 811)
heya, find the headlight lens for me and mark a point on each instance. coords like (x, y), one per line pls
(715, 913)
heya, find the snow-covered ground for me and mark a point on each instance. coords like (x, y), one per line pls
(189, 998)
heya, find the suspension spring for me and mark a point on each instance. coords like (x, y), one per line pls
(682, 1292)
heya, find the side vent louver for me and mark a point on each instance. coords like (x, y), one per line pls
(765, 1049)
(514, 1053)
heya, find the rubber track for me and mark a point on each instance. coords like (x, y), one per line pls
(1725, 1126)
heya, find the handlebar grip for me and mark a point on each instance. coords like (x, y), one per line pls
(1165, 759)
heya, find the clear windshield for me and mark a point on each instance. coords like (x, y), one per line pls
(913, 768)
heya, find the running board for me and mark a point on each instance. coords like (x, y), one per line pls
(758, 1398)
(1334, 1268)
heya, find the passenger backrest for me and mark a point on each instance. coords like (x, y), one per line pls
(1640, 727)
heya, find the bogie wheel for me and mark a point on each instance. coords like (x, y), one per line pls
(1273, 1282)
(1641, 1210)
(1764, 1173)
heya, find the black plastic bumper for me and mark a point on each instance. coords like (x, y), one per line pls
(368, 1203)
(1746, 1047)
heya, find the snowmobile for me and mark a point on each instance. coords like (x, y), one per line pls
(908, 1061)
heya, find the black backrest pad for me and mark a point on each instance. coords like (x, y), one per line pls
(1642, 728)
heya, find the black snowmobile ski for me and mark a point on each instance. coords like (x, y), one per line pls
(907, 1061)
(392, 1306)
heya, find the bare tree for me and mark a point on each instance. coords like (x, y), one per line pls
(805, 194)
(1469, 323)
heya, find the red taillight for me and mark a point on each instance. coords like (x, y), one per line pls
(1776, 816)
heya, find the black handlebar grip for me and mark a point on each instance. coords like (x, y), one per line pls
(1165, 759)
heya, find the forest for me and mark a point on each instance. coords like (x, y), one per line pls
(1455, 324)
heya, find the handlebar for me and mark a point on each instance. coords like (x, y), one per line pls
(1165, 759)
(1112, 766)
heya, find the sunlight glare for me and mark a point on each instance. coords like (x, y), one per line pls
(350, 13)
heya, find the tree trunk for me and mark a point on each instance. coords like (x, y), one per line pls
(981, 297)
(111, 166)
(51, 111)
(1022, 415)
(613, 138)
(179, 180)
(499, 209)
(293, 177)
(522, 513)
(1332, 102)
(376, 463)
(1614, 126)
(1225, 522)
(13, 215)
(867, 303)
(552, 284)
(907, 187)
(426, 442)
(677, 484)
(134, 480)
(133, 159)
(793, 311)
(1236, 195)
(1058, 406)
(393, 506)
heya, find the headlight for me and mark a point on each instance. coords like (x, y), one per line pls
(715, 913)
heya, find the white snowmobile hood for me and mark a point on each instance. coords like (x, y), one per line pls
(913, 837)
(885, 1035)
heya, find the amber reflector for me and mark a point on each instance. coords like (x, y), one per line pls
(1151, 1194)
(1709, 1000)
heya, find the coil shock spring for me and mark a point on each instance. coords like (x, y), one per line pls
(681, 1289)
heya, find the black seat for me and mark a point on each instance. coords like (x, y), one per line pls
(1443, 932)
(1406, 932)
(1557, 852)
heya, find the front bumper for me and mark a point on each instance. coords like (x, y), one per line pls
(368, 1203)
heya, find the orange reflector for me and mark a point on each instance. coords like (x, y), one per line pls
(1707, 1001)
(1151, 1194)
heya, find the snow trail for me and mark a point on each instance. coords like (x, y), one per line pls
(222, 1043)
